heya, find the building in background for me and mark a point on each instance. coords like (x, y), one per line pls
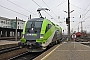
(4, 22)
(11, 23)
(20, 23)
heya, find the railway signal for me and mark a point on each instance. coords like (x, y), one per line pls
(67, 21)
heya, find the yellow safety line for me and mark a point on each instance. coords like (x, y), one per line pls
(44, 58)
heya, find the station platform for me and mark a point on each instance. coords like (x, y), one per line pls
(69, 51)
(4, 42)
(7, 43)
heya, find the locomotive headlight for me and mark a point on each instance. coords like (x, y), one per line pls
(41, 36)
(22, 36)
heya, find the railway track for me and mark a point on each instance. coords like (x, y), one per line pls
(30, 55)
(26, 56)
(8, 38)
(18, 54)
(84, 41)
(9, 54)
(88, 44)
(8, 49)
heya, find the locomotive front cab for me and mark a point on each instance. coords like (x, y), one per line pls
(33, 29)
(31, 33)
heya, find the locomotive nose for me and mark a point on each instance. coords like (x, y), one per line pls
(33, 44)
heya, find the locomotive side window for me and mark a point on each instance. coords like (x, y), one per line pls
(48, 27)
(58, 32)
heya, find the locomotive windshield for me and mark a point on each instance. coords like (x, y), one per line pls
(34, 24)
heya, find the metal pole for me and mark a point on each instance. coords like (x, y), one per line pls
(81, 30)
(81, 26)
(78, 28)
(69, 20)
(30, 16)
(16, 29)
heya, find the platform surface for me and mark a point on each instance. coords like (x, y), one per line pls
(5, 42)
(69, 51)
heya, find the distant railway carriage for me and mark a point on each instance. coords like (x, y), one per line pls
(78, 34)
(38, 33)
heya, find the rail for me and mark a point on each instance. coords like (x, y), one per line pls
(8, 49)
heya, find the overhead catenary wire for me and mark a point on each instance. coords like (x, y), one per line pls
(41, 7)
(13, 11)
(86, 13)
(59, 4)
(49, 7)
(20, 7)
(87, 18)
(84, 10)
(77, 6)
(87, 7)
(37, 3)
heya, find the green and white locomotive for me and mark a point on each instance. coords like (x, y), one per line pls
(39, 33)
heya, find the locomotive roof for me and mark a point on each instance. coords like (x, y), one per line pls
(36, 19)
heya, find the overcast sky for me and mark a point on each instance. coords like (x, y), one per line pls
(23, 8)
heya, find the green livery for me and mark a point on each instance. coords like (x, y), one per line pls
(46, 34)
(38, 33)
